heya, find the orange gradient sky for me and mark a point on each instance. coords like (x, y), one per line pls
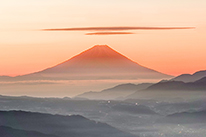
(25, 49)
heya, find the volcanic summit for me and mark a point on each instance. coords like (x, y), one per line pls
(99, 62)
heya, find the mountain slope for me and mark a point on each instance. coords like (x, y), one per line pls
(189, 77)
(101, 61)
(62, 126)
(116, 92)
(98, 62)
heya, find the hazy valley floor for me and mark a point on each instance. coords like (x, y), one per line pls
(144, 118)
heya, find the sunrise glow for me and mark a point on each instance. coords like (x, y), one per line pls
(26, 49)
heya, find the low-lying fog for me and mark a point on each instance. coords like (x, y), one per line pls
(61, 88)
(146, 118)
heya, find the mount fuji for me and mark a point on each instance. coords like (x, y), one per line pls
(98, 62)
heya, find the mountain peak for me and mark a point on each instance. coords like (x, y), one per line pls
(100, 61)
(101, 46)
(100, 52)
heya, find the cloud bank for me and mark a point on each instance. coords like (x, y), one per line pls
(115, 28)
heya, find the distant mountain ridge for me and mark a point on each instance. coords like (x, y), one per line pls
(190, 78)
(171, 87)
(98, 62)
(117, 92)
(199, 85)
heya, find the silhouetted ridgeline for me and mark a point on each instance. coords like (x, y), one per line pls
(117, 92)
(172, 89)
(190, 78)
(11, 132)
(199, 85)
(57, 125)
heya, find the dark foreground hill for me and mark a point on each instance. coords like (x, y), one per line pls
(58, 125)
(11, 132)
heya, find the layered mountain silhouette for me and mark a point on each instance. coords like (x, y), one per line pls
(98, 62)
(56, 125)
(171, 87)
(117, 92)
(190, 78)
(95, 109)
(199, 85)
